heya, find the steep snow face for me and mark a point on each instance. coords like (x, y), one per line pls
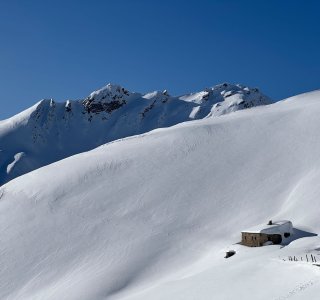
(51, 131)
(151, 216)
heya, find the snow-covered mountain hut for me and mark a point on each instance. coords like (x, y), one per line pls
(274, 232)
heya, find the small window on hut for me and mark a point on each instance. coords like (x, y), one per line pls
(286, 234)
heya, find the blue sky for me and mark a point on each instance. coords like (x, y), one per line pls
(66, 49)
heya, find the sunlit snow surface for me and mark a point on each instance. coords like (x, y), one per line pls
(50, 131)
(151, 216)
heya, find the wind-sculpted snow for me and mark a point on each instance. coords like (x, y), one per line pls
(51, 131)
(151, 216)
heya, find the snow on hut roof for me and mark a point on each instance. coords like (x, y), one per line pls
(277, 227)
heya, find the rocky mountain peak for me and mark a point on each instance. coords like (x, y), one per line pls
(107, 99)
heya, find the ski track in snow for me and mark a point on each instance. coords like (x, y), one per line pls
(299, 289)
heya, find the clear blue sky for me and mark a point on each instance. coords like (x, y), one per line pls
(66, 49)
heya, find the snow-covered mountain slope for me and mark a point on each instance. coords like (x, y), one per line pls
(150, 216)
(51, 131)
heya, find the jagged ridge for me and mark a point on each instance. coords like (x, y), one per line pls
(51, 131)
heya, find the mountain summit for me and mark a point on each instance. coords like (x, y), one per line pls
(50, 131)
(152, 216)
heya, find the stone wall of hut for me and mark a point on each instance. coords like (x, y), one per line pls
(258, 239)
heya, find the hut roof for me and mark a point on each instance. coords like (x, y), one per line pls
(277, 227)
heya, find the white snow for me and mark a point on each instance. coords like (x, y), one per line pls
(194, 112)
(50, 131)
(151, 216)
(278, 227)
(17, 158)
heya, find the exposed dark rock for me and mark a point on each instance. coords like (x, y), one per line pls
(147, 109)
(97, 107)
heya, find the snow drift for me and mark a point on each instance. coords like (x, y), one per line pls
(150, 216)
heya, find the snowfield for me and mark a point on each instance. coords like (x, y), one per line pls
(50, 131)
(151, 216)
